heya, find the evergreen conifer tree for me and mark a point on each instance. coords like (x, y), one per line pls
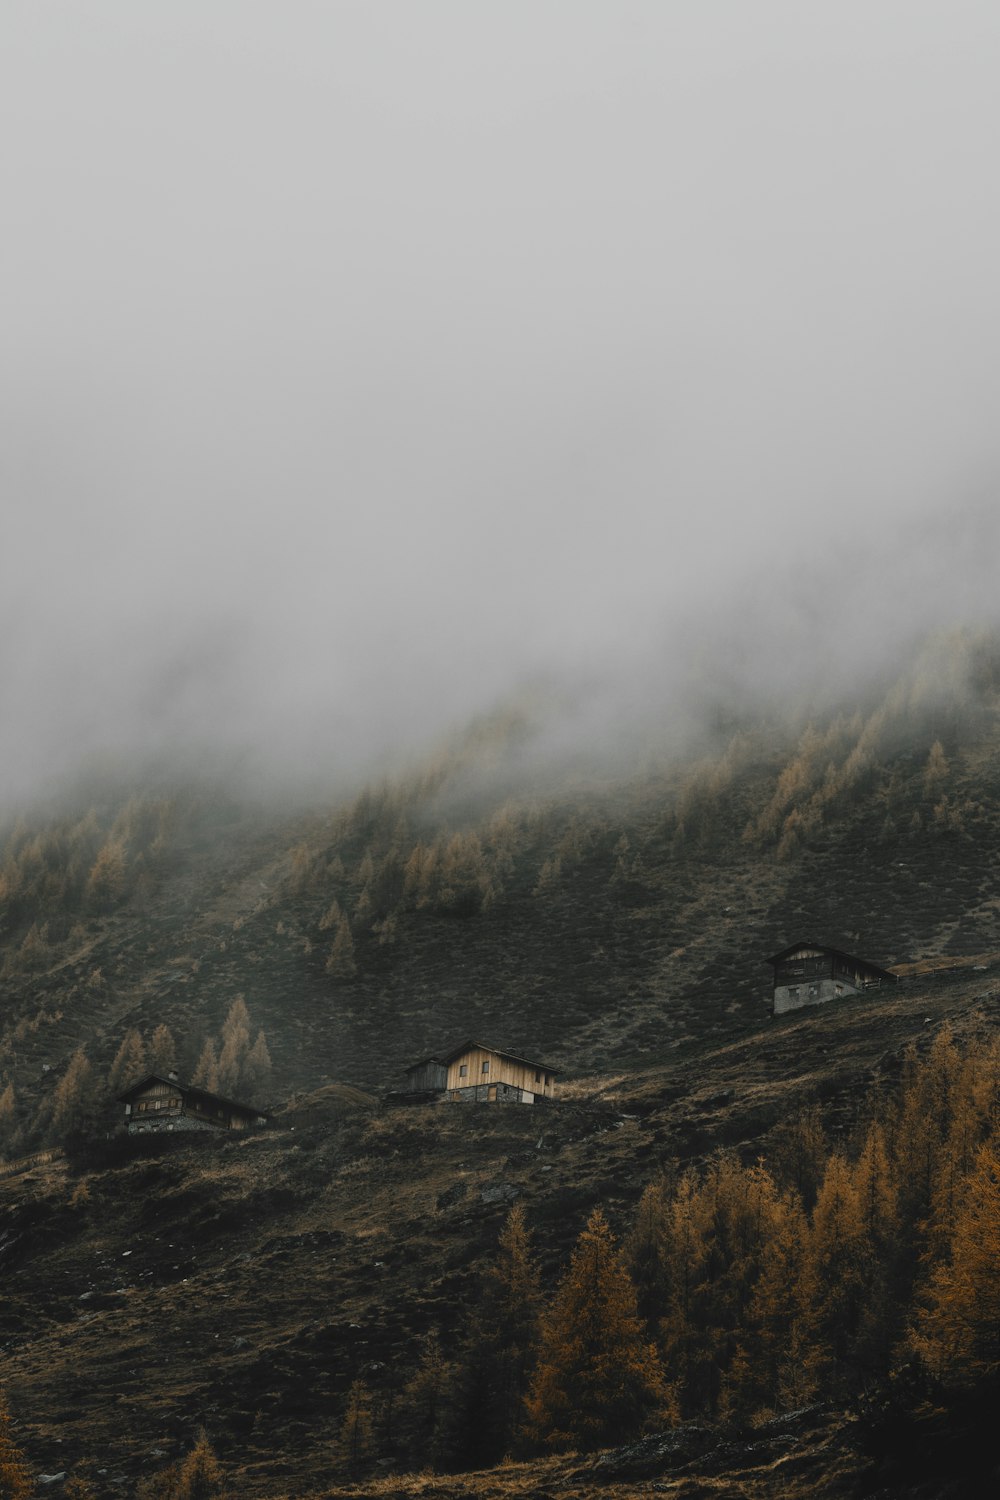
(498, 1356)
(355, 1442)
(74, 1099)
(646, 1251)
(129, 1064)
(331, 916)
(425, 1418)
(770, 1369)
(257, 1070)
(200, 1475)
(340, 964)
(162, 1052)
(687, 1231)
(235, 1046)
(206, 1074)
(958, 1332)
(106, 883)
(832, 1276)
(597, 1379)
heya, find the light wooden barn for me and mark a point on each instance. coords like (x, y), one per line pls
(478, 1074)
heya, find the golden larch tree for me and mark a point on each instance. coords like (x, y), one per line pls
(235, 1046)
(16, 1482)
(106, 883)
(129, 1064)
(355, 1441)
(340, 963)
(74, 1099)
(598, 1378)
(206, 1074)
(832, 1279)
(200, 1475)
(162, 1051)
(958, 1332)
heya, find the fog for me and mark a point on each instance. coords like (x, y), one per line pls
(363, 362)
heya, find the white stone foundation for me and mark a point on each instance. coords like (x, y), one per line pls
(810, 992)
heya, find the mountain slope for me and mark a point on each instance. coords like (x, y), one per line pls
(617, 927)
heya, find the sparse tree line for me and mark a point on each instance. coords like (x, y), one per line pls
(236, 1063)
(197, 1476)
(425, 847)
(381, 871)
(52, 879)
(945, 696)
(738, 1291)
(377, 873)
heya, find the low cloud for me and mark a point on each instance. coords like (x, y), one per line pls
(366, 363)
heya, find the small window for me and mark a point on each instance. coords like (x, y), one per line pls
(486, 1067)
(463, 1069)
(538, 1077)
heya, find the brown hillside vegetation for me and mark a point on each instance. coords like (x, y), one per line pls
(260, 1278)
(594, 924)
(313, 1295)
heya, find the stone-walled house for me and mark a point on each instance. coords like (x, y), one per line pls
(473, 1073)
(811, 974)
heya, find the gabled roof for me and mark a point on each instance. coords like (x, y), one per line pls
(852, 958)
(186, 1089)
(467, 1046)
(423, 1063)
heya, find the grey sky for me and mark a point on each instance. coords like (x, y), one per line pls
(360, 360)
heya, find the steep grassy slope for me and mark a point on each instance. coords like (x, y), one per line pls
(245, 1283)
(616, 928)
(596, 926)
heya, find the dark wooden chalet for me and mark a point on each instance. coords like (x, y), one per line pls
(157, 1103)
(427, 1077)
(812, 974)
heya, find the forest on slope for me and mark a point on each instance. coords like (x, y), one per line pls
(595, 920)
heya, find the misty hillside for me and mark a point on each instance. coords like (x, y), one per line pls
(501, 538)
(616, 926)
(595, 922)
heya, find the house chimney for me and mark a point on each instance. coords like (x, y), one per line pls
(172, 1076)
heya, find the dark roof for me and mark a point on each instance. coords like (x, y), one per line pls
(449, 1057)
(852, 958)
(423, 1063)
(188, 1088)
